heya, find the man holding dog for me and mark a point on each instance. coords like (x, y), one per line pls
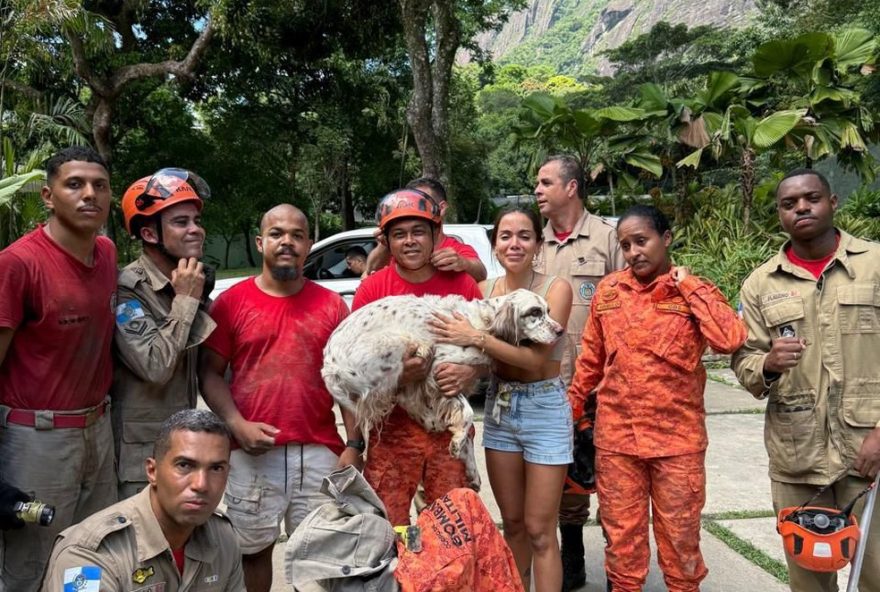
(814, 333)
(271, 332)
(57, 292)
(160, 316)
(582, 248)
(402, 452)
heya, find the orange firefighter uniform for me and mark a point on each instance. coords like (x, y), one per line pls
(410, 455)
(461, 550)
(642, 347)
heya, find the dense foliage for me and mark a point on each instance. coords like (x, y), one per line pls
(313, 104)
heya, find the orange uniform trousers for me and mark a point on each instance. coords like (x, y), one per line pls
(401, 455)
(675, 486)
(461, 550)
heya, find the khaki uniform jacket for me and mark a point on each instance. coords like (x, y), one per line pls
(588, 254)
(155, 375)
(819, 412)
(125, 542)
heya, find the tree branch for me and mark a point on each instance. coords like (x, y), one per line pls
(184, 68)
(22, 89)
(83, 68)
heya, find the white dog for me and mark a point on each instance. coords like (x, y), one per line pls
(363, 358)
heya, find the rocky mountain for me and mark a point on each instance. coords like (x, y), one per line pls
(571, 34)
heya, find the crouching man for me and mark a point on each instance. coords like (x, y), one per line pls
(167, 537)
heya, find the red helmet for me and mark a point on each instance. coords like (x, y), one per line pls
(818, 539)
(406, 203)
(148, 196)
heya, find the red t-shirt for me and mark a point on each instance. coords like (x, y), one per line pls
(459, 247)
(62, 314)
(561, 236)
(387, 282)
(179, 558)
(275, 346)
(814, 266)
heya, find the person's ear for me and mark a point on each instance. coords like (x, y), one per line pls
(149, 235)
(833, 202)
(443, 206)
(259, 241)
(667, 238)
(150, 466)
(46, 196)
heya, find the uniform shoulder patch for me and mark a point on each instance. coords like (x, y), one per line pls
(86, 578)
(128, 311)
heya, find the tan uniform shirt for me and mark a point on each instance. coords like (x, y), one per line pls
(123, 546)
(588, 254)
(819, 412)
(155, 375)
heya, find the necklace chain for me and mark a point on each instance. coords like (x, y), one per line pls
(528, 287)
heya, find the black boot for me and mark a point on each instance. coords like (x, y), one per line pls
(574, 574)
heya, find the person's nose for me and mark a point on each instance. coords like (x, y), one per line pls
(802, 206)
(199, 481)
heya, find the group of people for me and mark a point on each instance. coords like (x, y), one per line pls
(100, 374)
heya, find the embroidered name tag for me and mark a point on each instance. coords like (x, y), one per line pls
(673, 307)
(766, 298)
(606, 306)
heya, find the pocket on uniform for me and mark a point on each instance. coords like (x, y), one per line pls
(784, 312)
(242, 498)
(791, 435)
(138, 438)
(859, 308)
(861, 403)
(675, 343)
(585, 276)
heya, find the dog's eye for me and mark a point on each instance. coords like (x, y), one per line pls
(534, 312)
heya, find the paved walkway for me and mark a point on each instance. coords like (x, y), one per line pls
(738, 490)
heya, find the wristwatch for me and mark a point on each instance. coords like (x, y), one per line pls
(358, 445)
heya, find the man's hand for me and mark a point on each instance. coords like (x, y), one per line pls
(415, 366)
(454, 379)
(254, 437)
(785, 353)
(9, 496)
(189, 278)
(351, 457)
(447, 260)
(868, 460)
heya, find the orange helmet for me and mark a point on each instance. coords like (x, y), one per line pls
(406, 203)
(148, 196)
(818, 539)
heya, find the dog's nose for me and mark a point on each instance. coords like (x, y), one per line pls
(559, 330)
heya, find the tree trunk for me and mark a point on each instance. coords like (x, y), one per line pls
(228, 242)
(347, 205)
(428, 108)
(747, 184)
(246, 232)
(611, 193)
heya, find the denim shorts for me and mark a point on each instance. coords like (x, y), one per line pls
(529, 417)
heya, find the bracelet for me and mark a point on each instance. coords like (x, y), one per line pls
(358, 445)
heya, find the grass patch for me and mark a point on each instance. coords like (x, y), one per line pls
(222, 274)
(775, 568)
(740, 515)
(758, 411)
(721, 379)
(716, 364)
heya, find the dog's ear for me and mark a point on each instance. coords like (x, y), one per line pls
(487, 311)
(504, 326)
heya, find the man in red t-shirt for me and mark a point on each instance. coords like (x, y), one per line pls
(449, 254)
(271, 332)
(402, 452)
(57, 286)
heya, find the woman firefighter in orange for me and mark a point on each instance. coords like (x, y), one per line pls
(648, 328)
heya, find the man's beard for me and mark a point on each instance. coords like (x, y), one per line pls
(284, 274)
